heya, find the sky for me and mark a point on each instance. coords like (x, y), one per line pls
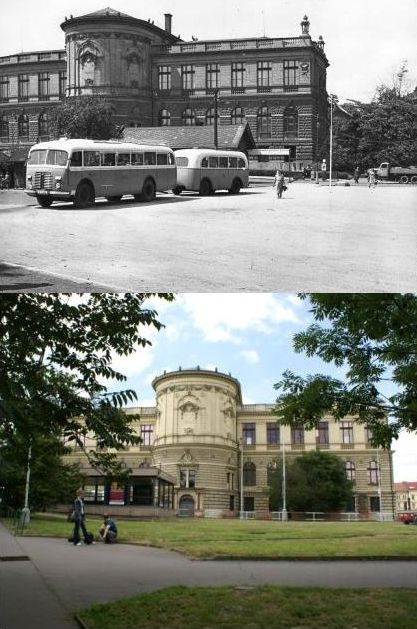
(248, 335)
(366, 40)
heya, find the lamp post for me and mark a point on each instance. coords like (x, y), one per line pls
(25, 515)
(379, 486)
(284, 485)
(332, 101)
(216, 102)
(241, 477)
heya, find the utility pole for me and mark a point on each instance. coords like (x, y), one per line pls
(216, 99)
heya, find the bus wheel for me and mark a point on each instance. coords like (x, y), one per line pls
(114, 199)
(414, 179)
(236, 186)
(205, 188)
(44, 201)
(84, 196)
(148, 190)
(404, 179)
(177, 190)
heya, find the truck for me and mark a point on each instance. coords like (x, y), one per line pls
(403, 174)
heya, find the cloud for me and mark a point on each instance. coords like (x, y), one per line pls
(250, 355)
(404, 458)
(226, 317)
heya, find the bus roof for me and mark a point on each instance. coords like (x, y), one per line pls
(208, 152)
(73, 144)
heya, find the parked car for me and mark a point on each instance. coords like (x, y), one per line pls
(408, 518)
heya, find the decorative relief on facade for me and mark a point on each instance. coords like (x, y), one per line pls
(186, 458)
(89, 54)
(304, 67)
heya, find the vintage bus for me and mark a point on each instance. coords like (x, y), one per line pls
(81, 170)
(208, 170)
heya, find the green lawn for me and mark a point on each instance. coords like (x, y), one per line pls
(259, 608)
(206, 538)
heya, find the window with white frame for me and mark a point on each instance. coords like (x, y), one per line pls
(146, 433)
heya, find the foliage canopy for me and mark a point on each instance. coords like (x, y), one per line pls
(84, 117)
(372, 336)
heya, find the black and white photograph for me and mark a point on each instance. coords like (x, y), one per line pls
(208, 314)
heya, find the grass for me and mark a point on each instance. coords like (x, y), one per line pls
(201, 538)
(257, 608)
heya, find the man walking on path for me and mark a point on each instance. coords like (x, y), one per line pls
(79, 519)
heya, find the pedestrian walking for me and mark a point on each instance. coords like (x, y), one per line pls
(356, 174)
(79, 519)
(371, 178)
(279, 183)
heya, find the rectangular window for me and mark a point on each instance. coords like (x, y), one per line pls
(137, 159)
(187, 77)
(164, 77)
(108, 159)
(212, 75)
(322, 433)
(264, 73)
(150, 159)
(146, 433)
(187, 478)
(231, 503)
(297, 434)
(374, 504)
(290, 73)
(4, 88)
(77, 158)
(238, 74)
(368, 434)
(213, 162)
(43, 85)
(62, 83)
(249, 434)
(123, 159)
(346, 432)
(23, 87)
(272, 433)
(162, 159)
(223, 162)
(91, 158)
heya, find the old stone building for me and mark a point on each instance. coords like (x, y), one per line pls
(205, 452)
(277, 85)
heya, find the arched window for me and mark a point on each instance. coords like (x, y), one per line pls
(188, 117)
(164, 118)
(4, 128)
(264, 122)
(210, 116)
(350, 470)
(271, 470)
(43, 128)
(291, 122)
(237, 115)
(373, 473)
(249, 474)
(23, 127)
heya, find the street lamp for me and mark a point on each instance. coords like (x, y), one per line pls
(379, 486)
(284, 516)
(332, 101)
(216, 101)
(241, 477)
(25, 515)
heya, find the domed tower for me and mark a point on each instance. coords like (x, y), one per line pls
(108, 54)
(196, 438)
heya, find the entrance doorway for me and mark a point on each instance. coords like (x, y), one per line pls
(186, 506)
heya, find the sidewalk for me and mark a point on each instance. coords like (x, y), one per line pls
(26, 601)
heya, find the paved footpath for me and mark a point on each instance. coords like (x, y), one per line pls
(60, 578)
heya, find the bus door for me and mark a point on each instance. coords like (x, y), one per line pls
(223, 175)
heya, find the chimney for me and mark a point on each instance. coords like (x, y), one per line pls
(168, 22)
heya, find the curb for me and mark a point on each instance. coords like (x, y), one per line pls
(81, 622)
(301, 558)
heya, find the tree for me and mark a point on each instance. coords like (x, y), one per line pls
(51, 481)
(380, 131)
(84, 117)
(315, 481)
(374, 337)
(56, 352)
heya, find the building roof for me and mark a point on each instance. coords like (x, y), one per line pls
(229, 136)
(106, 11)
(406, 486)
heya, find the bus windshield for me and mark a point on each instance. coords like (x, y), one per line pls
(51, 157)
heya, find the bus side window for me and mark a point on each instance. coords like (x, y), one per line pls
(204, 162)
(137, 159)
(77, 158)
(123, 159)
(150, 159)
(232, 162)
(109, 159)
(171, 159)
(91, 158)
(162, 159)
(223, 162)
(241, 163)
(214, 162)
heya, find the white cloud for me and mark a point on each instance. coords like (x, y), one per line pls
(405, 457)
(226, 317)
(250, 355)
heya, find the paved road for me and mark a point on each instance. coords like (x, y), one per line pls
(344, 239)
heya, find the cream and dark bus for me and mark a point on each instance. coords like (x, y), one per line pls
(208, 170)
(81, 170)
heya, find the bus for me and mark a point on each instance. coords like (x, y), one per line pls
(80, 170)
(208, 170)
